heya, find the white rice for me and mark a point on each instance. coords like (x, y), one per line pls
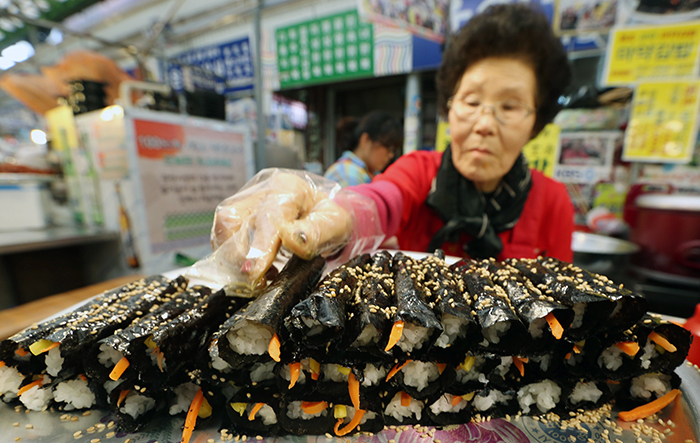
(543, 360)
(413, 337)
(249, 338)
(75, 394)
(611, 358)
(37, 397)
(484, 403)
(350, 413)
(420, 374)
(649, 353)
(536, 328)
(184, 394)
(314, 326)
(374, 375)
(444, 404)
(545, 395)
(263, 371)
(452, 328)
(109, 356)
(503, 368)
(54, 361)
(494, 332)
(10, 379)
(136, 405)
(330, 371)
(110, 385)
(294, 411)
(267, 414)
(394, 408)
(154, 360)
(585, 392)
(219, 364)
(579, 312)
(646, 385)
(368, 335)
(474, 373)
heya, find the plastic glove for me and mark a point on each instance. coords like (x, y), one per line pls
(303, 213)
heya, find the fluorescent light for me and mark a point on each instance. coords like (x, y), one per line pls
(19, 52)
(38, 136)
(6, 63)
(55, 37)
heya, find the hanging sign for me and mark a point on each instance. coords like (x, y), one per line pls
(333, 48)
(586, 156)
(663, 122)
(652, 53)
(422, 18)
(541, 152)
(223, 68)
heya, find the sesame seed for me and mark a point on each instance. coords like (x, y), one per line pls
(15, 424)
(77, 434)
(18, 438)
(29, 426)
(86, 413)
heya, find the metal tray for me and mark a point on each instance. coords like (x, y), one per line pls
(48, 427)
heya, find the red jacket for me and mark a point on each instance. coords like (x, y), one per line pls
(545, 226)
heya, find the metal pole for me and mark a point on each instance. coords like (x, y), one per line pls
(260, 160)
(412, 139)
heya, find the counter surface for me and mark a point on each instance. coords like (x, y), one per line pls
(54, 237)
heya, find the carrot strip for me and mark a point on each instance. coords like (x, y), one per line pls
(82, 377)
(122, 396)
(57, 344)
(294, 369)
(274, 348)
(554, 325)
(356, 419)
(628, 347)
(405, 400)
(395, 335)
(519, 363)
(577, 349)
(159, 357)
(649, 408)
(457, 399)
(354, 390)
(2, 363)
(255, 410)
(29, 386)
(396, 369)
(315, 368)
(21, 352)
(661, 341)
(313, 407)
(119, 369)
(441, 367)
(567, 356)
(192, 414)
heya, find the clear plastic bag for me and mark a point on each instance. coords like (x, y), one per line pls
(286, 209)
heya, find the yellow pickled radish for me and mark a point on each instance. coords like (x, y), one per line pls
(204, 410)
(239, 407)
(340, 411)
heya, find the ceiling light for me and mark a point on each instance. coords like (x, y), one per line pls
(5, 63)
(38, 136)
(19, 52)
(55, 37)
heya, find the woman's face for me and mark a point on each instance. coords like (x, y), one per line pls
(379, 157)
(484, 149)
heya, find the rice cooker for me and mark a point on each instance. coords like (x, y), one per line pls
(667, 229)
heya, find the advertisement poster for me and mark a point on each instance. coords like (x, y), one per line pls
(575, 16)
(426, 18)
(186, 171)
(223, 68)
(663, 122)
(656, 12)
(652, 53)
(461, 11)
(333, 48)
(586, 157)
(541, 152)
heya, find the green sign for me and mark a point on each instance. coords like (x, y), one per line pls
(332, 48)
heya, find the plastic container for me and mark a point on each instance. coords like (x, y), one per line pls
(693, 325)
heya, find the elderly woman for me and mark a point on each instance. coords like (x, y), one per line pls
(499, 85)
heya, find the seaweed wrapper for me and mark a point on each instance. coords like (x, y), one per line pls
(493, 306)
(240, 422)
(411, 304)
(445, 378)
(319, 320)
(565, 290)
(530, 307)
(630, 307)
(662, 360)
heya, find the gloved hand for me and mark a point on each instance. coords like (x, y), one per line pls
(304, 213)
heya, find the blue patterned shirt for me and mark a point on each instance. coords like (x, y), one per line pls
(349, 170)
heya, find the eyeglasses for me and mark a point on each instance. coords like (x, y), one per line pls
(506, 112)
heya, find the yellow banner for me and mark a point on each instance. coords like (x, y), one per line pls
(61, 123)
(541, 152)
(662, 125)
(652, 52)
(442, 138)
